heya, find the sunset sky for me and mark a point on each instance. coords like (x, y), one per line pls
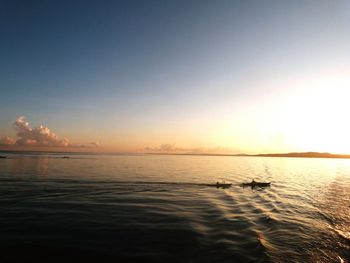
(182, 76)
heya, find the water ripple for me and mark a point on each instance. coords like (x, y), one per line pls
(159, 208)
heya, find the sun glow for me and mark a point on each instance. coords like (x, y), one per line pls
(315, 117)
(309, 114)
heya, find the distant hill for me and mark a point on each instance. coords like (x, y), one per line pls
(303, 155)
(291, 155)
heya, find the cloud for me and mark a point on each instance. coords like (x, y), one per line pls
(40, 136)
(94, 144)
(7, 141)
(171, 148)
(166, 147)
(88, 145)
(37, 136)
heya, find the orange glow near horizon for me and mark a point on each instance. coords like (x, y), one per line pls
(305, 115)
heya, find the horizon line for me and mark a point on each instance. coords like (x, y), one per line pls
(308, 154)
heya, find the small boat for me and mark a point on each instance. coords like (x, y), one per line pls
(222, 184)
(256, 184)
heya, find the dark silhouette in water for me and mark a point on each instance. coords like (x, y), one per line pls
(222, 185)
(254, 184)
(3, 157)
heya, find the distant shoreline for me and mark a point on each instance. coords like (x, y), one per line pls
(281, 155)
(304, 155)
(285, 155)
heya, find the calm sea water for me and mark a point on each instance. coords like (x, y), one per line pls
(101, 208)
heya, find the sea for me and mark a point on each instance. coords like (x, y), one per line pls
(64, 207)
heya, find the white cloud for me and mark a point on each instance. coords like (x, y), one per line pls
(40, 136)
(37, 136)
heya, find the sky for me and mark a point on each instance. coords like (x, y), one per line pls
(175, 76)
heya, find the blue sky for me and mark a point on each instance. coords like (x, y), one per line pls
(132, 74)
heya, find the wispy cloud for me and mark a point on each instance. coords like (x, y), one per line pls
(172, 148)
(39, 136)
(88, 145)
(7, 141)
(94, 144)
